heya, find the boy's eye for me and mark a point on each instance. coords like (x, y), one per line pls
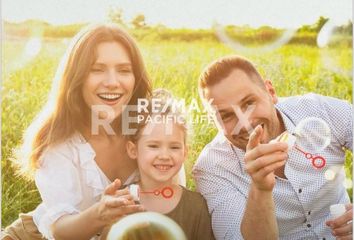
(152, 146)
(176, 147)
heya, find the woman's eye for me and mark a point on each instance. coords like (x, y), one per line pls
(125, 70)
(96, 70)
(152, 146)
(176, 147)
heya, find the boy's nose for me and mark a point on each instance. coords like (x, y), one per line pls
(164, 154)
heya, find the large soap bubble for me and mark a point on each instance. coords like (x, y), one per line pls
(146, 225)
(312, 135)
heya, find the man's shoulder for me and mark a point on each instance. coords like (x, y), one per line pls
(213, 151)
(310, 104)
(300, 100)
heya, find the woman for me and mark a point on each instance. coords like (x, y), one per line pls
(79, 169)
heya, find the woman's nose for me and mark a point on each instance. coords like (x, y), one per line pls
(111, 79)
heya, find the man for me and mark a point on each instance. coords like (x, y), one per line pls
(261, 190)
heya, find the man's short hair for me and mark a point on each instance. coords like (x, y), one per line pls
(222, 67)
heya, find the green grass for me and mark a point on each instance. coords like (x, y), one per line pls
(294, 69)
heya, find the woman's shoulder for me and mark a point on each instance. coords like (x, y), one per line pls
(67, 149)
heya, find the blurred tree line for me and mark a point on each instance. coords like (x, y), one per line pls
(138, 26)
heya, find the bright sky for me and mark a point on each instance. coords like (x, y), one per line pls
(183, 13)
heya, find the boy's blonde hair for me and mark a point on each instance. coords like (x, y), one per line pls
(167, 108)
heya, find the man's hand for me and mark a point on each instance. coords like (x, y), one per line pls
(342, 227)
(262, 159)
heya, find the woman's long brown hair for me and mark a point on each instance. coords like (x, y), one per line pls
(66, 112)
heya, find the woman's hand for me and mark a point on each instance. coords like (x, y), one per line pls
(116, 204)
(113, 205)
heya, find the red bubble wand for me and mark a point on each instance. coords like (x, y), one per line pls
(166, 192)
(318, 162)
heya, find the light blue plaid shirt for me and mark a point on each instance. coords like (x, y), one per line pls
(302, 200)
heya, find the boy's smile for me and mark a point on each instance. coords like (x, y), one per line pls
(160, 153)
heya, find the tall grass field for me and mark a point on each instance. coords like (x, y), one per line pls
(294, 69)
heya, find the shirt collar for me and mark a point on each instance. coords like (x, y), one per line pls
(288, 123)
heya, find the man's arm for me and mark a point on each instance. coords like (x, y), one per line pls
(259, 221)
(261, 160)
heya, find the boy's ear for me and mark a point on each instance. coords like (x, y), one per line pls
(186, 152)
(131, 150)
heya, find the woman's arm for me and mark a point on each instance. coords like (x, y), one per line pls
(113, 205)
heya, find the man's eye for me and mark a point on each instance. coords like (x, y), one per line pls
(227, 116)
(251, 102)
(152, 146)
(248, 105)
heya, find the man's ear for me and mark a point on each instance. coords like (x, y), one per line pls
(271, 91)
(132, 150)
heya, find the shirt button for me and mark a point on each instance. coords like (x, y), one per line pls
(300, 190)
(309, 212)
(323, 238)
(308, 225)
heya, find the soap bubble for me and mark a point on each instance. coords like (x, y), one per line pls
(312, 135)
(330, 174)
(282, 40)
(325, 38)
(146, 225)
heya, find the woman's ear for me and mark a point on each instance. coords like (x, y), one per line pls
(132, 150)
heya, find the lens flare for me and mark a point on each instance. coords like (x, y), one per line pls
(32, 48)
(28, 50)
